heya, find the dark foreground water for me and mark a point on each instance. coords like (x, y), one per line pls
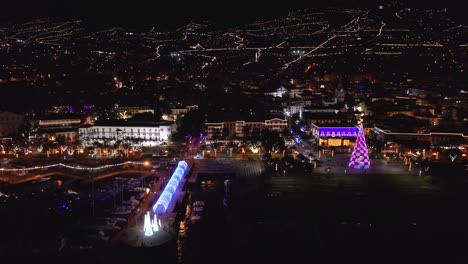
(312, 218)
(276, 218)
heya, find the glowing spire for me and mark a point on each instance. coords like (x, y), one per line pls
(155, 224)
(147, 225)
(360, 156)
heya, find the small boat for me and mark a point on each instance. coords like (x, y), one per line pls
(123, 210)
(43, 179)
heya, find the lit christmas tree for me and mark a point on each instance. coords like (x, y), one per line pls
(360, 156)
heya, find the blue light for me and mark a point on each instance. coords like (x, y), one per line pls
(166, 196)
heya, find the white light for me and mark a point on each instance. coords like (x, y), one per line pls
(75, 168)
(254, 149)
(147, 225)
(155, 224)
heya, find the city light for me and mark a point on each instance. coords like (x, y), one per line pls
(155, 223)
(338, 131)
(147, 227)
(74, 167)
(360, 157)
(254, 149)
(268, 112)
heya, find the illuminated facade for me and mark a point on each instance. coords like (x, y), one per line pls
(237, 129)
(334, 136)
(146, 134)
(53, 128)
(129, 111)
(168, 193)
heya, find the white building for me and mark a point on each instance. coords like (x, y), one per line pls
(55, 127)
(145, 134)
(179, 112)
(236, 129)
(58, 123)
(293, 109)
(278, 92)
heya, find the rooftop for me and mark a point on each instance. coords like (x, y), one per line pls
(132, 123)
(334, 125)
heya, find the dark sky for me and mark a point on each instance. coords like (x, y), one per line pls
(139, 13)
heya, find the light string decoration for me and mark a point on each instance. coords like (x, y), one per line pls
(75, 167)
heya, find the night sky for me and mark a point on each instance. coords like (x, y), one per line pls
(171, 14)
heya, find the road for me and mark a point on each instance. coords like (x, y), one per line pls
(16, 179)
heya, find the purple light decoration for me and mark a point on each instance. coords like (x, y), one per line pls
(87, 107)
(348, 132)
(360, 156)
(70, 109)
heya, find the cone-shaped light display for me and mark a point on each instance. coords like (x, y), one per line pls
(360, 156)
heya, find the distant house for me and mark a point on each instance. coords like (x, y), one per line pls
(178, 112)
(56, 126)
(278, 92)
(129, 111)
(238, 128)
(335, 118)
(437, 138)
(10, 123)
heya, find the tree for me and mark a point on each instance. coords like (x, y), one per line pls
(246, 132)
(406, 123)
(61, 139)
(271, 140)
(97, 144)
(415, 144)
(191, 123)
(453, 154)
(373, 142)
(225, 133)
(49, 145)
